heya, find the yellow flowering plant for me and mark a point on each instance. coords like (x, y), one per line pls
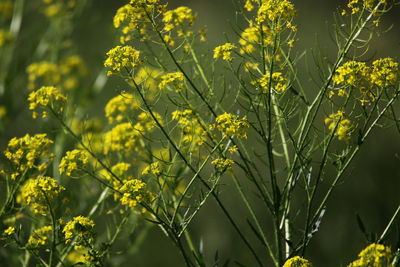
(170, 135)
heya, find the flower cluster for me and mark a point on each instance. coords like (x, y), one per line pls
(37, 192)
(193, 133)
(231, 125)
(123, 137)
(148, 122)
(132, 18)
(250, 37)
(297, 262)
(133, 193)
(73, 161)
(39, 237)
(153, 168)
(276, 12)
(178, 18)
(80, 228)
(9, 231)
(352, 73)
(172, 80)
(342, 126)
(122, 57)
(118, 107)
(357, 5)
(29, 152)
(222, 163)
(46, 97)
(385, 72)
(375, 255)
(224, 51)
(276, 81)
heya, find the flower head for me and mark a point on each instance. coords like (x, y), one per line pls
(172, 80)
(73, 161)
(385, 72)
(297, 262)
(122, 57)
(80, 228)
(375, 255)
(224, 51)
(231, 125)
(46, 97)
(118, 107)
(342, 126)
(39, 237)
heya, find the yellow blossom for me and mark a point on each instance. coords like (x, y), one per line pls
(123, 137)
(73, 161)
(178, 18)
(297, 262)
(276, 12)
(375, 255)
(39, 237)
(80, 228)
(122, 57)
(172, 80)
(43, 74)
(342, 126)
(119, 107)
(194, 134)
(231, 125)
(46, 97)
(133, 193)
(384, 72)
(222, 163)
(352, 73)
(9, 231)
(38, 191)
(153, 168)
(278, 82)
(224, 51)
(27, 152)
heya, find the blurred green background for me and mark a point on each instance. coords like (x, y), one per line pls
(370, 188)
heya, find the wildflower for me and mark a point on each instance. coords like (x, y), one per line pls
(46, 97)
(297, 262)
(224, 51)
(178, 18)
(172, 80)
(123, 137)
(26, 152)
(133, 193)
(80, 228)
(39, 237)
(38, 191)
(119, 57)
(222, 163)
(233, 149)
(276, 11)
(9, 231)
(193, 133)
(251, 37)
(352, 73)
(343, 126)
(147, 77)
(375, 255)
(83, 255)
(384, 72)
(357, 5)
(278, 82)
(153, 168)
(119, 106)
(231, 125)
(248, 5)
(43, 73)
(73, 161)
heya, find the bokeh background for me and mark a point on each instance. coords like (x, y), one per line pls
(371, 188)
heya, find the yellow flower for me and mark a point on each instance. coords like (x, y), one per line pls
(375, 255)
(46, 97)
(178, 18)
(342, 126)
(222, 163)
(297, 262)
(36, 192)
(80, 228)
(172, 80)
(224, 51)
(9, 231)
(153, 168)
(278, 82)
(231, 125)
(39, 237)
(73, 161)
(385, 72)
(122, 57)
(352, 73)
(123, 137)
(119, 107)
(26, 152)
(250, 37)
(276, 12)
(133, 193)
(193, 133)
